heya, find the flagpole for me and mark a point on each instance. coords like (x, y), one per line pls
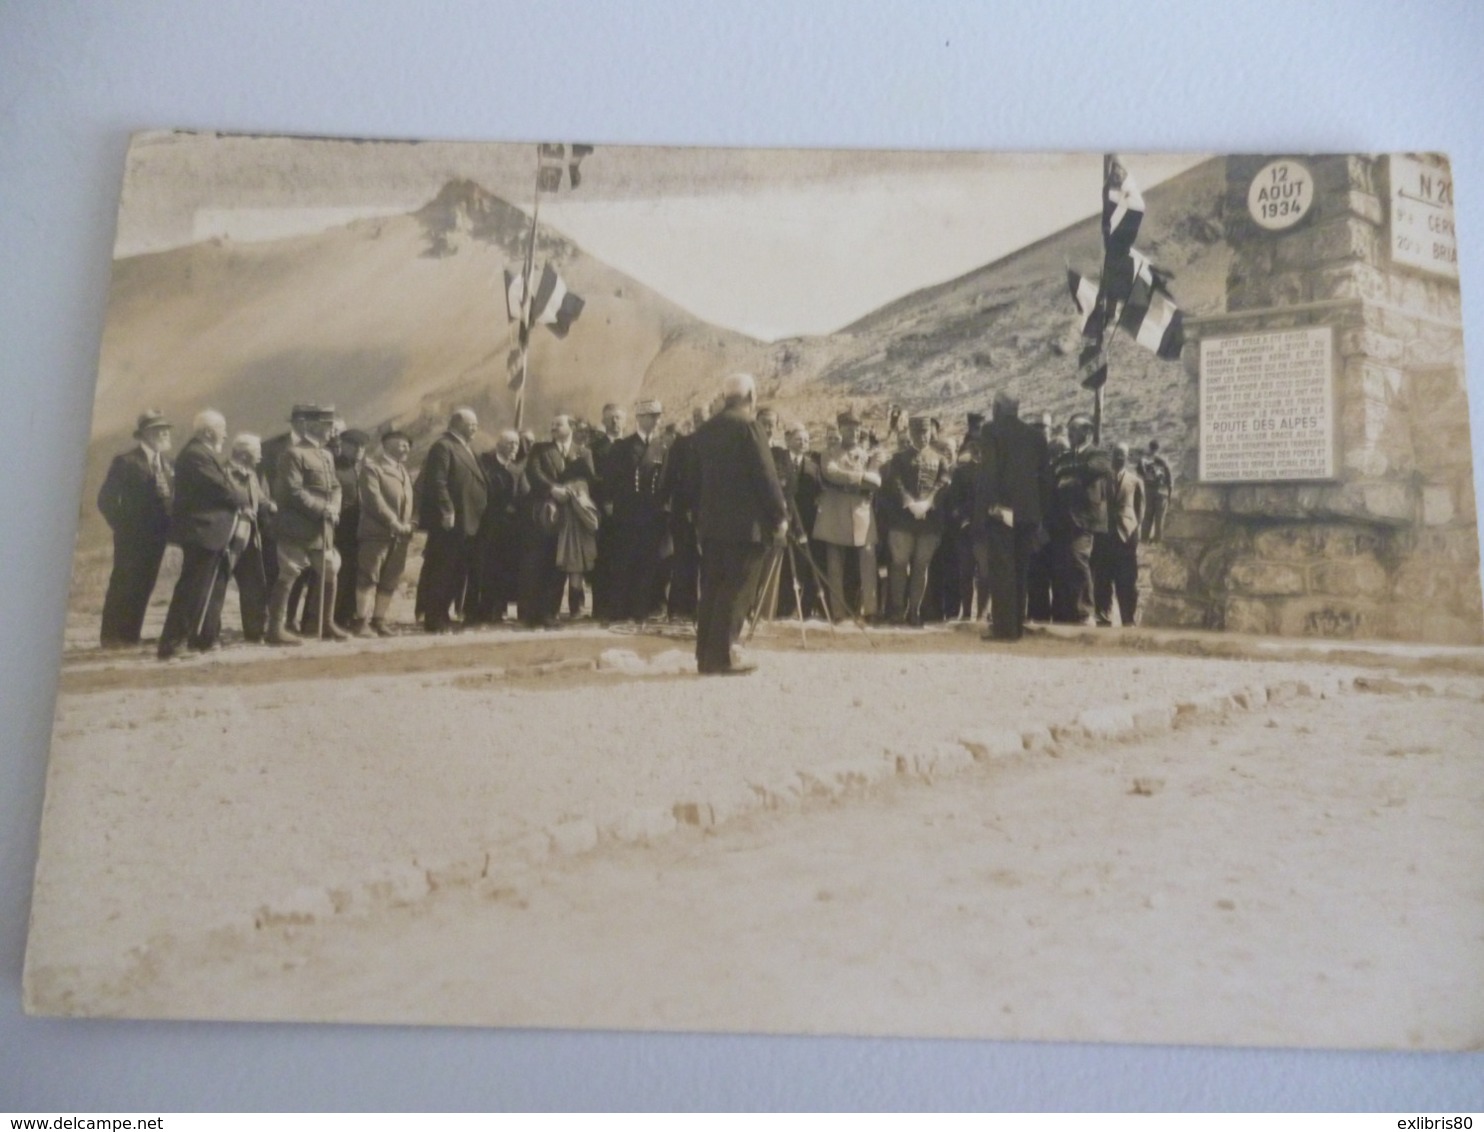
(525, 301)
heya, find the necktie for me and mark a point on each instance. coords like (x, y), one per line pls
(162, 481)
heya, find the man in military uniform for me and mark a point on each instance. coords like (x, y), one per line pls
(1081, 478)
(307, 492)
(640, 524)
(912, 492)
(135, 500)
(846, 521)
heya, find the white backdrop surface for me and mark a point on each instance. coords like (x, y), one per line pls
(77, 77)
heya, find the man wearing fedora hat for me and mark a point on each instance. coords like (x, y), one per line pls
(135, 501)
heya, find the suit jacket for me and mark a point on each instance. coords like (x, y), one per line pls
(680, 486)
(131, 500)
(1126, 506)
(507, 489)
(1014, 472)
(454, 488)
(384, 488)
(740, 499)
(206, 500)
(306, 489)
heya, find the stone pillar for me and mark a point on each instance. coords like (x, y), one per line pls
(1389, 547)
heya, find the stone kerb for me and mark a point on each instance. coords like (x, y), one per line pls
(1389, 548)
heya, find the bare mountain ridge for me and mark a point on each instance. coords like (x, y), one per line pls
(1009, 324)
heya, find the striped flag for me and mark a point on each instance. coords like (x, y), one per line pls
(1123, 208)
(552, 304)
(557, 162)
(1149, 313)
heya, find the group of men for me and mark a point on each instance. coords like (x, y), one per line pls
(1034, 524)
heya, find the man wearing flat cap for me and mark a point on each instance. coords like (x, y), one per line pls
(307, 493)
(135, 501)
(845, 521)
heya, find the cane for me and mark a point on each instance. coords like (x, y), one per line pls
(216, 562)
(328, 535)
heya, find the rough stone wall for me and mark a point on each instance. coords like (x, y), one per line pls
(1390, 547)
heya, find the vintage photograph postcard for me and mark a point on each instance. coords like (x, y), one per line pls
(822, 592)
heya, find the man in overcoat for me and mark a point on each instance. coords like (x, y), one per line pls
(742, 512)
(135, 501)
(203, 519)
(455, 494)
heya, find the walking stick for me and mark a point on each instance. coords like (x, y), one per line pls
(328, 534)
(824, 588)
(216, 562)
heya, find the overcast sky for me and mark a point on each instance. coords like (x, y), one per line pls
(771, 243)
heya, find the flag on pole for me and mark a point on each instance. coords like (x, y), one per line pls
(1123, 208)
(552, 303)
(1092, 366)
(559, 163)
(1150, 314)
(1089, 311)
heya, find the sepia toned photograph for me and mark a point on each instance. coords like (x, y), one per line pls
(942, 594)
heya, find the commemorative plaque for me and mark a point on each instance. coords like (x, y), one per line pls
(1422, 234)
(1280, 195)
(1267, 407)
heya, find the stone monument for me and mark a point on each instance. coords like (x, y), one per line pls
(1330, 490)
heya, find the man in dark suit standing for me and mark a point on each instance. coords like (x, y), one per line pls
(455, 493)
(680, 489)
(135, 501)
(1010, 499)
(501, 529)
(603, 447)
(551, 467)
(742, 511)
(202, 521)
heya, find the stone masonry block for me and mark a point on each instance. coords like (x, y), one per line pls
(1255, 576)
(1247, 615)
(1037, 739)
(1152, 718)
(1349, 577)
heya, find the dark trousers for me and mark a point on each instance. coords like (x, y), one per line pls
(605, 574)
(447, 559)
(1008, 561)
(541, 582)
(498, 575)
(973, 576)
(641, 572)
(729, 580)
(345, 582)
(1154, 518)
(195, 614)
(685, 567)
(252, 591)
(136, 565)
(1115, 571)
(1038, 585)
(1072, 563)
